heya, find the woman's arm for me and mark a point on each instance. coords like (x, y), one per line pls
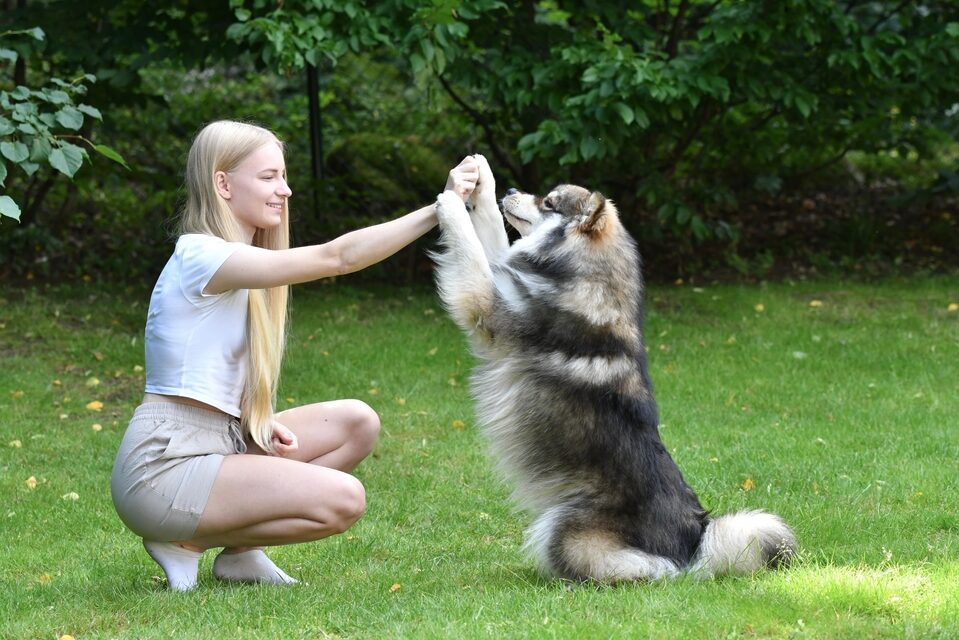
(257, 268)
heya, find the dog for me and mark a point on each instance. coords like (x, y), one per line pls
(563, 392)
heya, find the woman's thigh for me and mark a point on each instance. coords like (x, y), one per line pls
(337, 434)
(251, 490)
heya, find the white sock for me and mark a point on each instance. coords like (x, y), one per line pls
(249, 566)
(179, 564)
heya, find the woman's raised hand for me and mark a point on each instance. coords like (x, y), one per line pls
(463, 177)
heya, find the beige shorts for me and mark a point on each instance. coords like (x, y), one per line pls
(164, 471)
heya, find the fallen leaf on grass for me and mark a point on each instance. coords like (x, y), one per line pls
(93, 382)
(815, 303)
(73, 495)
(16, 444)
(95, 405)
(458, 424)
(31, 482)
(17, 394)
(396, 587)
(44, 578)
(748, 484)
(96, 426)
(953, 307)
(760, 308)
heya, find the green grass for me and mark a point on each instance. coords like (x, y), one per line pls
(842, 418)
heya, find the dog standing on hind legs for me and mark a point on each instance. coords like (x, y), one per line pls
(563, 393)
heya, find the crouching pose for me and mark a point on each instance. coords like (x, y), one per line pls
(205, 461)
(563, 392)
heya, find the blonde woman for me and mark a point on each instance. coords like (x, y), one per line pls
(205, 462)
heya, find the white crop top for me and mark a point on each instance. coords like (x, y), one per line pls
(196, 344)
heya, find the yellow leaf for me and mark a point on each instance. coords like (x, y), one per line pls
(31, 482)
(73, 495)
(432, 352)
(95, 405)
(815, 303)
(401, 402)
(396, 587)
(18, 393)
(760, 307)
(93, 382)
(137, 369)
(374, 391)
(458, 424)
(16, 444)
(66, 636)
(44, 578)
(56, 383)
(748, 484)
(96, 426)
(953, 307)
(291, 400)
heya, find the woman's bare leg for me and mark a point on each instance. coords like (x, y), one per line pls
(260, 500)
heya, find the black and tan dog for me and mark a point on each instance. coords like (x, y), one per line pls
(563, 392)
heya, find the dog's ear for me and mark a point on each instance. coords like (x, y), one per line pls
(597, 210)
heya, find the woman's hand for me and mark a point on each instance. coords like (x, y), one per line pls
(463, 178)
(283, 440)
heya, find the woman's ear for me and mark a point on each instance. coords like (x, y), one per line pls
(221, 182)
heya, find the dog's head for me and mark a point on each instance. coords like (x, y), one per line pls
(575, 209)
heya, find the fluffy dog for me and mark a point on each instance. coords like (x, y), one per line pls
(563, 392)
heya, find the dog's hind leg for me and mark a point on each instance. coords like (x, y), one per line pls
(570, 545)
(486, 216)
(463, 275)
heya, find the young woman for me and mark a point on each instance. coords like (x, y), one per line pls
(205, 462)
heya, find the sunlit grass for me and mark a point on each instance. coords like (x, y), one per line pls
(833, 404)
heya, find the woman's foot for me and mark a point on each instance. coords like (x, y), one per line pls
(249, 566)
(179, 564)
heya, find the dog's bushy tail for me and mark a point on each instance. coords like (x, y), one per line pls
(742, 543)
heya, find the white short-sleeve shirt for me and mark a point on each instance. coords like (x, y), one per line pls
(196, 344)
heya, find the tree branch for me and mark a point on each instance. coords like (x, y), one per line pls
(487, 126)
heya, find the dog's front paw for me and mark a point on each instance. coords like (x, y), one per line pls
(449, 206)
(485, 190)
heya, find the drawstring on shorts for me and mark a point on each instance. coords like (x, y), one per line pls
(236, 435)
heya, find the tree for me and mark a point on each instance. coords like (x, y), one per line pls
(42, 125)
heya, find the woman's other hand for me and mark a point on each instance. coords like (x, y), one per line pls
(283, 440)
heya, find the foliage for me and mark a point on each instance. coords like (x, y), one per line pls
(41, 125)
(688, 114)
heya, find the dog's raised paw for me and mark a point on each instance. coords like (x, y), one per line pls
(448, 206)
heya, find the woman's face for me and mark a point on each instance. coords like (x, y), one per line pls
(256, 191)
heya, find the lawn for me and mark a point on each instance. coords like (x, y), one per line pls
(834, 404)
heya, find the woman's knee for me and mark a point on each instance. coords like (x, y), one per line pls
(364, 425)
(347, 503)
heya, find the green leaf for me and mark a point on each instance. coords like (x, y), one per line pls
(67, 159)
(14, 151)
(9, 208)
(107, 152)
(93, 112)
(6, 127)
(70, 118)
(3, 173)
(9, 55)
(625, 112)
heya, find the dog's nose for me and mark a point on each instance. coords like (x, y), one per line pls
(511, 191)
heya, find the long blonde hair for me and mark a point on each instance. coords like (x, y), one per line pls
(222, 146)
